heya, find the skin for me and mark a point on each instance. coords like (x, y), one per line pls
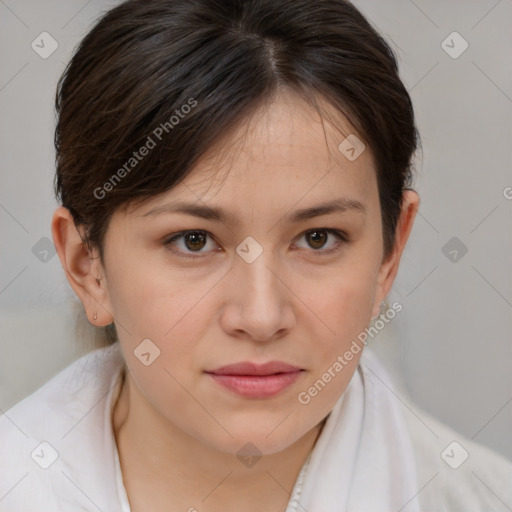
(178, 431)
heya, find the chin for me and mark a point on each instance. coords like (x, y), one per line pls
(253, 442)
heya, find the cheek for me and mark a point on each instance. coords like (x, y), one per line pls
(344, 301)
(171, 316)
(151, 299)
(344, 308)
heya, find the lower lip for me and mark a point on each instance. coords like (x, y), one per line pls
(257, 386)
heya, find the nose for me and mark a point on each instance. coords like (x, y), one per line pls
(258, 304)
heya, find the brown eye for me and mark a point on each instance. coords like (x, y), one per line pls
(317, 238)
(194, 240)
(187, 243)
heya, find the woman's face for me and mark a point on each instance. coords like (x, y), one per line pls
(266, 279)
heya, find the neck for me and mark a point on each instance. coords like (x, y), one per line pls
(159, 459)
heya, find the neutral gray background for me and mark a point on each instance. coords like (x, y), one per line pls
(450, 348)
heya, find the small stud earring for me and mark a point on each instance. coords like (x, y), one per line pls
(95, 316)
(380, 311)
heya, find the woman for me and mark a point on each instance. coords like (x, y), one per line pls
(235, 187)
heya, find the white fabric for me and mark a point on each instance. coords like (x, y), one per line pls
(365, 459)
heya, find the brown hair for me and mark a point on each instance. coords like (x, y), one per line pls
(186, 71)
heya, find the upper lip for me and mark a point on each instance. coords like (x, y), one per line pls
(249, 368)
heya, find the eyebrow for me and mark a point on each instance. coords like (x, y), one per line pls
(342, 204)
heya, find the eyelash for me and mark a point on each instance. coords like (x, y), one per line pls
(340, 235)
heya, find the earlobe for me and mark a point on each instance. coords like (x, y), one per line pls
(82, 267)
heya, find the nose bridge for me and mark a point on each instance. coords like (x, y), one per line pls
(260, 293)
(256, 273)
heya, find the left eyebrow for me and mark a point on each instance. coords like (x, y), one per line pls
(218, 214)
(342, 204)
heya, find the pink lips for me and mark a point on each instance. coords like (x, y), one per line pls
(256, 381)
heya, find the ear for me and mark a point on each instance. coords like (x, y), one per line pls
(389, 267)
(83, 268)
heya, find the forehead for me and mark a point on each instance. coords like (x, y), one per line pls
(288, 144)
(283, 152)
